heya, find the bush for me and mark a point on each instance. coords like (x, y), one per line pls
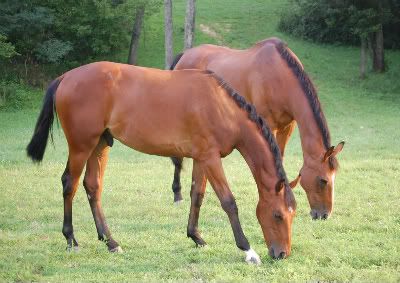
(341, 21)
(14, 96)
(53, 50)
(49, 31)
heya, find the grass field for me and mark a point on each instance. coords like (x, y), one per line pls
(360, 242)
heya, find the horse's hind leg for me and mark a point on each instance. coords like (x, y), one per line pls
(176, 185)
(70, 182)
(93, 183)
(199, 182)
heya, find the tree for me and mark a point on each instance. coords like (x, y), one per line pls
(368, 20)
(363, 57)
(378, 57)
(58, 31)
(168, 33)
(142, 9)
(137, 28)
(190, 23)
(362, 28)
(364, 22)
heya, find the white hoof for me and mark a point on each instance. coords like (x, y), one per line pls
(178, 202)
(73, 249)
(252, 257)
(117, 250)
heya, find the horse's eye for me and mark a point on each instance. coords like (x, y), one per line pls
(278, 216)
(322, 182)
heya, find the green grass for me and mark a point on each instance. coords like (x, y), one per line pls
(360, 242)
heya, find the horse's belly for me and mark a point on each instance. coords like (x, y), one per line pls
(152, 138)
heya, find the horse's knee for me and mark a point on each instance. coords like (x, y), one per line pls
(229, 205)
(66, 183)
(197, 199)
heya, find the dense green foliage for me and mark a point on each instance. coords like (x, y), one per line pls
(358, 243)
(342, 21)
(51, 37)
(16, 96)
(51, 31)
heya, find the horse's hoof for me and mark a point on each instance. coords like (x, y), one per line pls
(252, 257)
(72, 249)
(178, 202)
(200, 243)
(117, 249)
(178, 197)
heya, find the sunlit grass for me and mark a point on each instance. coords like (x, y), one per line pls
(360, 242)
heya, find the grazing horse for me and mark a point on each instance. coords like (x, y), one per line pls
(270, 76)
(190, 113)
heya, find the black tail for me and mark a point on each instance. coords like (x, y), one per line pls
(176, 60)
(37, 145)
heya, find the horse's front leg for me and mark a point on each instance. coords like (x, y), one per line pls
(197, 191)
(215, 174)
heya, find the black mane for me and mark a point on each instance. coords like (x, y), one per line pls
(309, 91)
(311, 95)
(265, 131)
(175, 61)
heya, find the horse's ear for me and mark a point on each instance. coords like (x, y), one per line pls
(294, 183)
(338, 148)
(328, 153)
(280, 185)
(333, 151)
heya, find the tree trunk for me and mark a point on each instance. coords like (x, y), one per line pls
(190, 23)
(168, 33)
(363, 59)
(137, 28)
(378, 53)
(378, 59)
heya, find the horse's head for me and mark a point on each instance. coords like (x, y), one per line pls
(275, 212)
(318, 180)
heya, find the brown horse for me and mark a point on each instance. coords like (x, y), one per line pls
(188, 113)
(270, 76)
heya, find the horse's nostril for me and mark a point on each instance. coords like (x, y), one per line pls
(325, 216)
(282, 255)
(274, 255)
(314, 215)
(271, 252)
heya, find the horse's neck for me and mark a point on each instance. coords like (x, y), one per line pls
(257, 154)
(310, 134)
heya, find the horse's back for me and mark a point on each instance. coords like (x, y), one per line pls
(153, 111)
(175, 111)
(257, 73)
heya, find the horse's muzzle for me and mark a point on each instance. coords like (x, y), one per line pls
(319, 214)
(277, 254)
